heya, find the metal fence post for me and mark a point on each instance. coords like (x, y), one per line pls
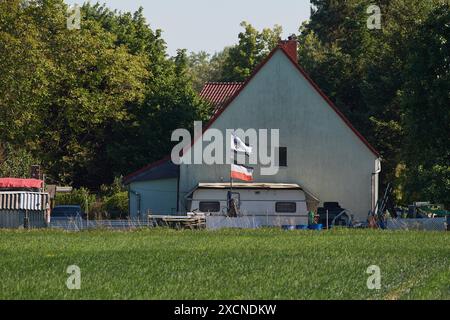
(26, 220)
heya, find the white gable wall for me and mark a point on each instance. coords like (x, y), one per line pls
(324, 154)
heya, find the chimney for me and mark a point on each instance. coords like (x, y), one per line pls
(290, 46)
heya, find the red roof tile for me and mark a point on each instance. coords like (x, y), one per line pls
(218, 93)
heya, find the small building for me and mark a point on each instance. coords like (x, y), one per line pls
(22, 204)
(319, 149)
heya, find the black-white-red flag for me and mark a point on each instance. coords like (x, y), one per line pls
(241, 172)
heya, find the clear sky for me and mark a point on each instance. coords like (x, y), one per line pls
(210, 25)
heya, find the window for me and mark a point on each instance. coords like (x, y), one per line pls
(286, 207)
(282, 157)
(209, 206)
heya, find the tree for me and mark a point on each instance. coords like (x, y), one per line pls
(94, 103)
(24, 85)
(169, 102)
(15, 162)
(205, 68)
(253, 47)
(92, 81)
(425, 102)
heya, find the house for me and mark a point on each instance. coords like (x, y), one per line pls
(320, 151)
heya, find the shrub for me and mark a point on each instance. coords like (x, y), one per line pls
(112, 189)
(117, 205)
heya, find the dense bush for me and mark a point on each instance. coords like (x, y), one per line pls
(110, 203)
(117, 205)
(113, 206)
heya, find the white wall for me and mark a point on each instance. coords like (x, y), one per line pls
(324, 154)
(159, 196)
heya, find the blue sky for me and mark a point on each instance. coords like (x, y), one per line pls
(210, 25)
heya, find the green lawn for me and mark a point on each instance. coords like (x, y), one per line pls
(229, 264)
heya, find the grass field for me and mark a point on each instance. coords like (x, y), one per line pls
(229, 264)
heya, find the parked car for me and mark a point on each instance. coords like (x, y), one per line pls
(71, 212)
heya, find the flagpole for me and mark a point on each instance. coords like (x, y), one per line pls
(231, 180)
(231, 189)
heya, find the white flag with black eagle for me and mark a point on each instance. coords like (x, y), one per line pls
(238, 171)
(238, 145)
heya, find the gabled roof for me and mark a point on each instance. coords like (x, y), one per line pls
(237, 91)
(218, 93)
(282, 48)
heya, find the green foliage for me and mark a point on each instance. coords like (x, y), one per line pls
(93, 103)
(15, 162)
(225, 265)
(205, 68)
(117, 205)
(425, 102)
(253, 47)
(234, 63)
(111, 203)
(80, 197)
(24, 69)
(115, 187)
(427, 184)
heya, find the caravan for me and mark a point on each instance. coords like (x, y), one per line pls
(257, 204)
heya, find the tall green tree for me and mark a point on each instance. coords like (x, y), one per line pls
(204, 67)
(252, 48)
(426, 105)
(93, 103)
(92, 80)
(24, 85)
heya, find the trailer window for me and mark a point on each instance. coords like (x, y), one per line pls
(209, 206)
(286, 207)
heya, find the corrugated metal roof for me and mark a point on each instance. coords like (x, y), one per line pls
(218, 93)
